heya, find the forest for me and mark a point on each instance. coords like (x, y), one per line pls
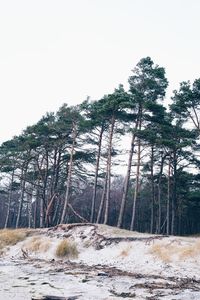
(129, 159)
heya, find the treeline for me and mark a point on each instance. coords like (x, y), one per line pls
(65, 168)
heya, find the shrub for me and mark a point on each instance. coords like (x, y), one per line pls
(190, 251)
(38, 244)
(177, 251)
(162, 252)
(11, 237)
(66, 249)
(126, 251)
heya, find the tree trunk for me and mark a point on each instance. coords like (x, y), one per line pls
(41, 212)
(126, 183)
(136, 184)
(174, 194)
(152, 190)
(53, 172)
(69, 176)
(9, 199)
(127, 178)
(107, 202)
(29, 208)
(49, 212)
(100, 210)
(159, 195)
(55, 219)
(54, 205)
(35, 212)
(96, 175)
(21, 196)
(168, 198)
(45, 187)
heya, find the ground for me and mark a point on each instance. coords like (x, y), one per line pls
(99, 262)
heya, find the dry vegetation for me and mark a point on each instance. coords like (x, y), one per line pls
(126, 251)
(9, 237)
(190, 251)
(177, 250)
(38, 244)
(162, 252)
(66, 249)
(87, 244)
(114, 231)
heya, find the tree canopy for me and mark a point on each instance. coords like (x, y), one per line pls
(126, 159)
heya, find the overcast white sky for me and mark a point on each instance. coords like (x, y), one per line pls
(56, 51)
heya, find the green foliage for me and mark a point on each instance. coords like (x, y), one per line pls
(40, 156)
(148, 83)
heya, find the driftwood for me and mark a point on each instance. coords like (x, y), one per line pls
(153, 284)
(106, 241)
(24, 253)
(165, 282)
(54, 298)
(123, 294)
(99, 241)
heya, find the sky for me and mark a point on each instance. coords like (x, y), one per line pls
(61, 51)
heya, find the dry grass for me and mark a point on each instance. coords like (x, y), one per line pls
(9, 237)
(38, 244)
(190, 251)
(163, 252)
(126, 251)
(118, 232)
(178, 251)
(67, 249)
(87, 244)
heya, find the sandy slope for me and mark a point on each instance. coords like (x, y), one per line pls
(112, 264)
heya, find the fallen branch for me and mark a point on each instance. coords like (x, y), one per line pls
(54, 298)
(77, 214)
(49, 208)
(24, 253)
(99, 240)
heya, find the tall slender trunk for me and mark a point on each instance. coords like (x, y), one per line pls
(127, 178)
(29, 209)
(168, 198)
(57, 172)
(24, 170)
(44, 201)
(159, 195)
(107, 202)
(56, 212)
(69, 176)
(152, 190)
(136, 184)
(54, 205)
(96, 175)
(9, 200)
(126, 183)
(173, 217)
(53, 172)
(41, 212)
(40, 198)
(174, 193)
(100, 210)
(35, 214)
(35, 209)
